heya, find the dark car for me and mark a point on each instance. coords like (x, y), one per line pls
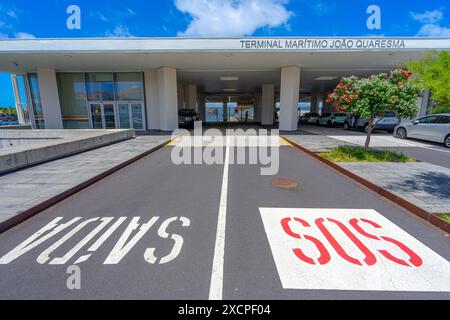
(386, 122)
(309, 118)
(187, 118)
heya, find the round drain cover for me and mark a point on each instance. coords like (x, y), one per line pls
(283, 183)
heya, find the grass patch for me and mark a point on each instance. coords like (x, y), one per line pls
(360, 154)
(445, 217)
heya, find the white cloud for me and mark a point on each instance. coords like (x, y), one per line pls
(130, 11)
(101, 16)
(12, 14)
(428, 17)
(24, 35)
(433, 30)
(119, 31)
(430, 24)
(232, 17)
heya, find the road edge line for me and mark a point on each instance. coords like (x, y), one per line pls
(36, 209)
(405, 204)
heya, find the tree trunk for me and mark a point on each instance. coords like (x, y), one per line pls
(369, 132)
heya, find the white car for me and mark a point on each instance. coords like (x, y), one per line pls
(434, 127)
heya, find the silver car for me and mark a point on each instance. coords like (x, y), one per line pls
(434, 127)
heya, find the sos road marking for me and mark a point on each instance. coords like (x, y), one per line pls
(350, 249)
(125, 243)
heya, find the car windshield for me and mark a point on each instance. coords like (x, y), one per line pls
(389, 114)
(313, 114)
(340, 115)
(186, 112)
(325, 115)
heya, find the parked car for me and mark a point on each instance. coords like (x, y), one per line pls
(386, 122)
(187, 117)
(435, 128)
(331, 119)
(308, 118)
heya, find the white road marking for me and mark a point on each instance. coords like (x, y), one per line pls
(216, 286)
(418, 145)
(350, 249)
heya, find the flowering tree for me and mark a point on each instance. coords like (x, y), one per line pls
(371, 97)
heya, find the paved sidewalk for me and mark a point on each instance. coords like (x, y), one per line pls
(315, 142)
(26, 188)
(424, 184)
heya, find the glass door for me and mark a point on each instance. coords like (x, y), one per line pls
(131, 115)
(103, 115)
(96, 116)
(109, 116)
(124, 115)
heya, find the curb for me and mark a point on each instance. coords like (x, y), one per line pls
(416, 210)
(34, 210)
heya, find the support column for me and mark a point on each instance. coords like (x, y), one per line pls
(202, 107)
(257, 106)
(324, 104)
(181, 96)
(151, 99)
(167, 96)
(267, 104)
(315, 105)
(290, 87)
(18, 99)
(225, 109)
(192, 96)
(424, 103)
(48, 90)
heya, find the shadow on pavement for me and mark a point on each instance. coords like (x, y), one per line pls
(433, 183)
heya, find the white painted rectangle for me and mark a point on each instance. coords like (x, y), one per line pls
(431, 272)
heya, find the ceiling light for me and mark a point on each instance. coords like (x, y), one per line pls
(229, 90)
(229, 78)
(325, 78)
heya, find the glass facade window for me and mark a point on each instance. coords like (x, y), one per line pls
(101, 100)
(36, 101)
(128, 86)
(73, 100)
(100, 86)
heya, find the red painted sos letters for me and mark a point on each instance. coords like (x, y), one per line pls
(323, 224)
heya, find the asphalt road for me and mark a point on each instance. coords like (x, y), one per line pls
(421, 150)
(151, 262)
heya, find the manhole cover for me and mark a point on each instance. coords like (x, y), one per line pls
(283, 183)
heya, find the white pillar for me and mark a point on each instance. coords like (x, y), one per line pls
(324, 104)
(151, 99)
(290, 87)
(267, 104)
(18, 99)
(315, 106)
(192, 96)
(48, 90)
(167, 96)
(257, 106)
(424, 103)
(202, 107)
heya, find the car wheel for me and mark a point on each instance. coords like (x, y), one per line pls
(346, 126)
(366, 128)
(447, 141)
(401, 133)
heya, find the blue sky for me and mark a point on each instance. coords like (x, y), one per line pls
(171, 18)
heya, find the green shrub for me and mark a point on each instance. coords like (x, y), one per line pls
(360, 154)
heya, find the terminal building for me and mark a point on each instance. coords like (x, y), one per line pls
(142, 83)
